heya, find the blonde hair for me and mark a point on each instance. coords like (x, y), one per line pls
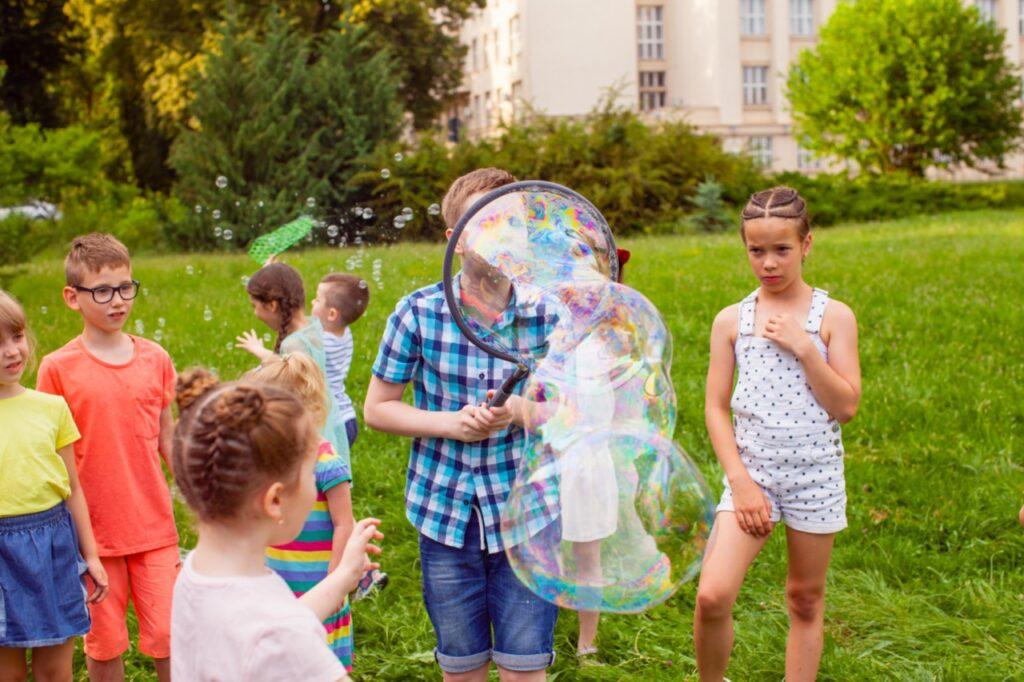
(298, 373)
(13, 321)
(233, 438)
(480, 180)
(92, 253)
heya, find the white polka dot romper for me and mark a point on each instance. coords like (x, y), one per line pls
(790, 445)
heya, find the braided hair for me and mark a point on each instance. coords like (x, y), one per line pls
(282, 284)
(233, 438)
(777, 202)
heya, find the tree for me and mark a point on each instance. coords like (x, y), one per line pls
(281, 116)
(902, 85)
(34, 45)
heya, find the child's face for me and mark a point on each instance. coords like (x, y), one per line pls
(266, 313)
(110, 316)
(775, 251)
(14, 353)
(297, 501)
(328, 316)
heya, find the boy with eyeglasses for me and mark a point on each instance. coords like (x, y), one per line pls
(119, 388)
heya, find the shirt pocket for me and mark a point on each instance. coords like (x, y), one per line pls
(148, 408)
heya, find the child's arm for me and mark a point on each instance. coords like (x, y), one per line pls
(250, 341)
(325, 598)
(752, 508)
(384, 410)
(83, 528)
(836, 383)
(166, 435)
(339, 504)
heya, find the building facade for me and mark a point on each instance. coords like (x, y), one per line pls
(719, 64)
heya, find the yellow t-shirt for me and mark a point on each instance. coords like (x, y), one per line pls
(33, 477)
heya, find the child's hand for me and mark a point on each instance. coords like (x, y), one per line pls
(494, 419)
(250, 341)
(355, 561)
(98, 575)
(464, 425)
(786, 331)
(753, 510)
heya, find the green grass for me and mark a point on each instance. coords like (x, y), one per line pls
(928, 581)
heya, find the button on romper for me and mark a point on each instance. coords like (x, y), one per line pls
(789, 444)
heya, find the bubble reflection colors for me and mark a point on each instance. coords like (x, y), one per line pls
(606, 513)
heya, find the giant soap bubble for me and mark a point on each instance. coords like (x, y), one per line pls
(606, 513)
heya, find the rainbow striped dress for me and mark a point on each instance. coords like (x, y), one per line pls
(303, 561)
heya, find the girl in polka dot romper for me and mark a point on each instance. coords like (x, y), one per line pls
(794, 353)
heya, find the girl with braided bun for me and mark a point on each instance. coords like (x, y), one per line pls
(244, 458)
(316, 551)
(793, 351)
(278, 300)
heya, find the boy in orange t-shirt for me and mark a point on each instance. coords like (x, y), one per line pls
(119, 388)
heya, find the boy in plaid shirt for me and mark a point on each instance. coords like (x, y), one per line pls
(461, 468)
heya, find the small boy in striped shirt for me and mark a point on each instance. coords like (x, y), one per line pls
(341, 299)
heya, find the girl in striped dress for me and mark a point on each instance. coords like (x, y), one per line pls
(316, 551)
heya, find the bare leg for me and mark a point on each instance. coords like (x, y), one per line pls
(516, 676)
(12, 665)
(105, 671)
(478, 675)
(588, 562)
(809, 554)
(53, 663)
(729, 555)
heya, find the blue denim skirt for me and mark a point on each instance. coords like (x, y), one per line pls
(42, 591)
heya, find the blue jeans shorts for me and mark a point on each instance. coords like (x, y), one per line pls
(469, 593)
(352, 431)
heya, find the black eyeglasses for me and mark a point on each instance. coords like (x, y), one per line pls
(106, 294)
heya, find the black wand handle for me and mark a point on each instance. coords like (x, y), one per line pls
(508, 387)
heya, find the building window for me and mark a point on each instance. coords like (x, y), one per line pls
(486, 51)
(497, 48)
(475, 55)
(476, 111)
(652, 90)
(759, 148)
(1020, 21)
(517, 100)
(987, 9)
(514, 44)
(801, 17)
(488, 110)
(650, 32)
(806, 160)
(753, 20)
(755, 85)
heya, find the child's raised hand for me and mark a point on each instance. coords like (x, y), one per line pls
(464, 425)
(786, 331)
(98, 575)
(355, 561)
(752, 508)
(251, 342)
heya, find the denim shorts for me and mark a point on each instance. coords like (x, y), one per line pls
(42, 593)
(469, 593)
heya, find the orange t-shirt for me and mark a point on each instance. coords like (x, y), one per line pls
(117, 409)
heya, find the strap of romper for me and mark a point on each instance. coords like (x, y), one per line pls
(817, 312)
(747, 308)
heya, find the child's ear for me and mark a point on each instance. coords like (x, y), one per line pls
(70, 295)
(274, 306)
(270, 503)
(333, 315)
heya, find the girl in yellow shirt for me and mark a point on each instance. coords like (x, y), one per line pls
(44, 524)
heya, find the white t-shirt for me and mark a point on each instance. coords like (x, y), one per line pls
(338, 351)
(245, 628)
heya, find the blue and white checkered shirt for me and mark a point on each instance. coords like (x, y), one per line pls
(446, 478)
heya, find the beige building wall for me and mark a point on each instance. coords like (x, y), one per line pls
(562, 57)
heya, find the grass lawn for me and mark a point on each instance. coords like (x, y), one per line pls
(928, 581)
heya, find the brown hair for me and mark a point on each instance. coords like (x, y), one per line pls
(283, 284)
(480, 180)
(777, 202)
(13, 321)
(92, 253)
(233, 438)
(298, 373)
(348, 294)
